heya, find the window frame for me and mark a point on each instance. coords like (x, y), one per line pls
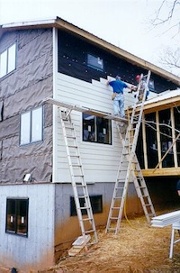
(30, 129)
(16, 215)
(7, 62)
(96, 129)
(91, 62)
(93, 199)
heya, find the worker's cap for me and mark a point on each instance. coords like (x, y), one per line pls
(118, 77)
(138, 77)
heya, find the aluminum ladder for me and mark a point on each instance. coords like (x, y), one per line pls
(81, 196)
(129, 169)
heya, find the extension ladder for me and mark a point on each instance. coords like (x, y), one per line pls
(129, 169)
(81, 196)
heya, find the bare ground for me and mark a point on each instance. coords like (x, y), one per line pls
(138, 247)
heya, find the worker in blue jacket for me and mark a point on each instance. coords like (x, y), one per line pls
(118, 95)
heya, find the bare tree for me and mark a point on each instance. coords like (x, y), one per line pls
(170, 19)
(171, 58)
(173, 8)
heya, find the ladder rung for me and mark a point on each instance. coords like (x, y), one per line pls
(71, 137)
(82, 208)
(89, 231)
(75, 165)
(72, 146)
(86, 219)
(114, 218)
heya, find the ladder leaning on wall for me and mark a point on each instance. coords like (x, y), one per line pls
(81, 196)
(129, 168)
(84, 212)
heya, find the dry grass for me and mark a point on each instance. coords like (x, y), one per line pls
(137, 248)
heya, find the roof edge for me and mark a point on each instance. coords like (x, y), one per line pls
(61, 23)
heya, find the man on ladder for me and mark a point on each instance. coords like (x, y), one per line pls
(143, 87)
(129, 168)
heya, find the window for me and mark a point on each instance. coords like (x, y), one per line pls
(95, 62)
(151, 85)
(17, 216)
(97, 129)
(8, 60)
(31, 126)
(96, 203)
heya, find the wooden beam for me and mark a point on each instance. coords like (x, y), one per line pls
(161, 172)
(161, 105)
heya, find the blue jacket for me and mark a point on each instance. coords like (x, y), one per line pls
(118, 86)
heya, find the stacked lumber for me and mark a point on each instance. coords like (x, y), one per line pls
(78, 245)
(166, 219)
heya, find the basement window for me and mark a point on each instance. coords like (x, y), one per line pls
(8, 60)
(96, 129)
(17, 216)
(96, 203)
(31, 126)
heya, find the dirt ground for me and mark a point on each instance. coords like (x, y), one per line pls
(138, 247)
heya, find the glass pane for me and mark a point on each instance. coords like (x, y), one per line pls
(25, 128)
(11, 58)
(88, 127)
(166, 138)
(11, 216)
(37, 124)
(22, 213)
(3, 64)
(95, 62)
(103, 130)
(177, 127)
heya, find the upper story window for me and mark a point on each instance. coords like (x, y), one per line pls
(31, 126)
(17, 216)
(97, 129)
(95, 62)
(8, 60)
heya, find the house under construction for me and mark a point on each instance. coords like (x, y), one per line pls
(62, 157)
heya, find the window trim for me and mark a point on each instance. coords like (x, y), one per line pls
(8, 60)
(31, 127)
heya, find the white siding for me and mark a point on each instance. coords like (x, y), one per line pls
(100, 161)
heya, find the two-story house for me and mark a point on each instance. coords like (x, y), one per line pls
(53, 58)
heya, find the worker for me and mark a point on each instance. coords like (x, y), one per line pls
(142, 88)
(118, 95)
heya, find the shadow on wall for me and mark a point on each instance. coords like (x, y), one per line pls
(163, 192)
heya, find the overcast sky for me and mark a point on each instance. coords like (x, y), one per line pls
(124, 23)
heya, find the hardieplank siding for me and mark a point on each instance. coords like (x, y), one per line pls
(100, 161)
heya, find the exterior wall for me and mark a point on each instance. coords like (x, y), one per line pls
(73, 61)
(21, 90)
(100, 161)
(67, 227)
(37, 250)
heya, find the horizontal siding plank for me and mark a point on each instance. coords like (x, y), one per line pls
(100, 161)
